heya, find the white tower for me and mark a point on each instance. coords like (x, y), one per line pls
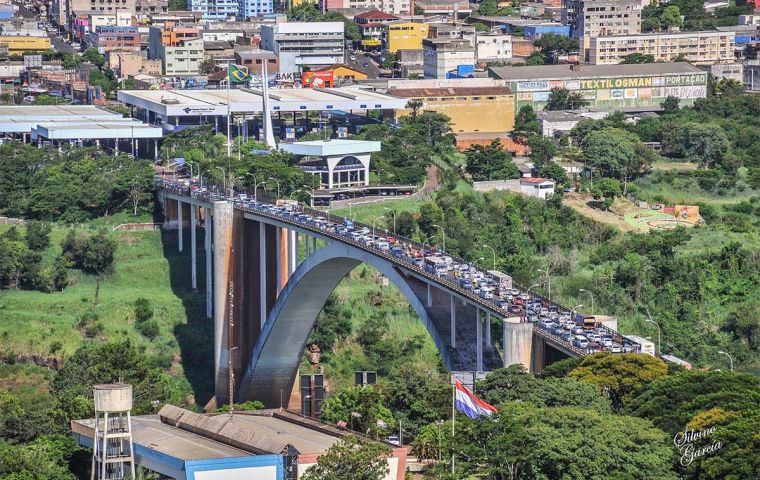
(112, 454)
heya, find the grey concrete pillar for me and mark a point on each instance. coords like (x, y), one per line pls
(223, 215)
(478, 341)
(307, 248)
(207, 248)
(278, 259)
(180, 230)
(429, 296)
(193, 264)
(292, 251)
(517, 343)
(488, 329)
(453, 322)
(262, 273)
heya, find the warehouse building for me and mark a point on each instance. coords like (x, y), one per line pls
(616, 87)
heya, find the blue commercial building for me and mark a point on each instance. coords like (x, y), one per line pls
(254, 8)
(214, 9)
(7, 12)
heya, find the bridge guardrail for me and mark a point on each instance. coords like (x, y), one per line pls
(486, 304)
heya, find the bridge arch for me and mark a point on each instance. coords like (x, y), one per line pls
(277, 354)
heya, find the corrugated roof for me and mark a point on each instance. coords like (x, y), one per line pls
(534, 181)
(543, 72)
(448, 91)
(376, 15)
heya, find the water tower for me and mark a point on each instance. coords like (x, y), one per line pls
(112, 455)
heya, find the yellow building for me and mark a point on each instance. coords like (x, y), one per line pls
(22, 44)
(406, 36)
(471, 109)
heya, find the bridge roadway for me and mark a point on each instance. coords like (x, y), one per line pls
(443, 299)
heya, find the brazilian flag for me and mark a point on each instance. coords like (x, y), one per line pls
(238, 74)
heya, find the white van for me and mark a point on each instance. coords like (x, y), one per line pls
(580, 341)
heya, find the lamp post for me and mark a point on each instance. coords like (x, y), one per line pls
(311, 195)
(278, 185)
(592, 299)
(730, 359)
(494, 254)
(256, 189)
(443, 237)
(423, 247)
(191, 168)
(575, 309)
(527, 292)
(394, 218)
(252, 176)
(373, 224)
(200, 178)
(549, 280)
(224, 177)
(659, 332)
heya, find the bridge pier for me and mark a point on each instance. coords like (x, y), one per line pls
(262, 274)
(429, 296)
(518, 343)
(453, 322)
(488, 329)
(222, 231)
(478, 340)
(193, 254)
(180, 227)
(207, 248)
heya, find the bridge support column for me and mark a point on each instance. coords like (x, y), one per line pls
(478, 340)
(307, 247)
(429, 296)
(262, 273)
(453, 322)
(518, 343)
(207, 248)
(180, 227)
(223, 225)
(292, 251)
(193, 258)
(488, 330)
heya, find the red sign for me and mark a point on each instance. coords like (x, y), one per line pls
(317, 79)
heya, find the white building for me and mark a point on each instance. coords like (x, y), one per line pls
(185, 59)
(698, 47)
(490, 46)
(442, 55)
(749, 19)
(542, 188)
(394, 7)
(301, 44)
(338, 163)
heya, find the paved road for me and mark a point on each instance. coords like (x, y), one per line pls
(372, 70)
(59, 45)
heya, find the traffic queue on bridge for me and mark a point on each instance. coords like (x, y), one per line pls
(564, 326)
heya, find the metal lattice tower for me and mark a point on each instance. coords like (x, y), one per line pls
(112, 453)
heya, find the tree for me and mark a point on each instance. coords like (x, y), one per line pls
(207, 66)
(705, 144)
(488, 8)
(562, 99)
(350, 459)
(430, 214)
(637, 58)
(729, 87)
(94, 57)
(46, 458)
(414, 106)
(491, 162)
(91, 253)
(619, 375)
(670, 104)
(38, 235)
(405, 224)
(607, 189)
(143, 310)
(177, 5)
(368, 402)
(60, 274)
(542, 149)
(515, 384)
(553, 44)
(526, 122)
(616, 153)
(553, 171)
(534, 59)
(671, 17)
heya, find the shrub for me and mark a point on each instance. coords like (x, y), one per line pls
(148, 329)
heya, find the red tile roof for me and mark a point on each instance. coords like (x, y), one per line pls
(375, 15)
(532, 181)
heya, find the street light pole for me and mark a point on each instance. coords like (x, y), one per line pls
(575, 309)
(394, 218)
(278, 186)
(443, 237)
(200, 178)
(494, 254)
(730, 359)
(549, 280)
(373, 224)
(659, 332)
(224, 177)
(256, 189)
(592, 299)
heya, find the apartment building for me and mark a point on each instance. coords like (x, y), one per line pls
(111, 39)
(373, 26)
(705, 47)
(597, 18)
(493, 46)
(395, 7)
(143, 8)
(184, 59)
(78, 7)
(305, 44)
(217, 9)
(443, 55)
(254, 8)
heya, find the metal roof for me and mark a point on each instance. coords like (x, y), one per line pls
(331, 147)
(543, 72)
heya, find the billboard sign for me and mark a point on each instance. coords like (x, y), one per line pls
(533, 86)
(317, 79)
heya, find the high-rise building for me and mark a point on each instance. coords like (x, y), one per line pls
(254, 8)
(697, 47)
(215, 9)
(442, 56)
(305, 44)
(594, 18)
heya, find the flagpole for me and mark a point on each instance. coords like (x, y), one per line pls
(453, 416)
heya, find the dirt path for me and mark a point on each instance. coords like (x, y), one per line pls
(615, 217)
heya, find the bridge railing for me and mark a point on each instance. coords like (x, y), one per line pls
(216, 192)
